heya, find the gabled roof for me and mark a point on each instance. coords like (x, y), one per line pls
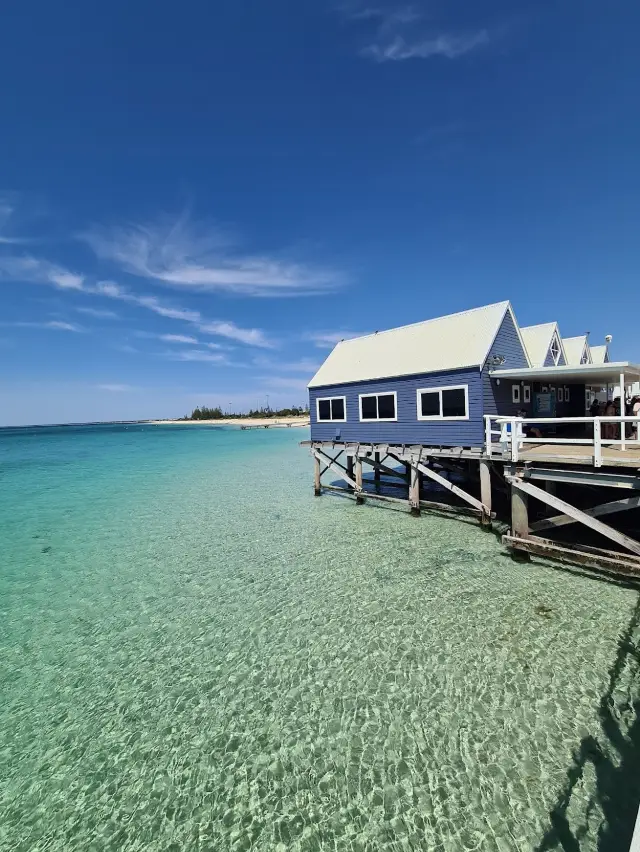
(600, 354)
(537, 340)
(446, 343)
(574, 348)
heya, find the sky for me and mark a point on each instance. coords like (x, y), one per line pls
(197, 199)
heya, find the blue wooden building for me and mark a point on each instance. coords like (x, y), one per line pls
(426, 383)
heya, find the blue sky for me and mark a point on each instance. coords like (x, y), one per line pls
(197, 198)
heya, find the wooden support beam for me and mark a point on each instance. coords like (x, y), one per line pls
(485, 491)
(317, 484)
(335, 467)
(376, 469)
(468, 498)
(380, 467)
(609, 561)
(350, 466)
(596, 512)
(578, 514)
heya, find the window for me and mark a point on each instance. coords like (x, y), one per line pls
(378, 406)
(448, 403)
(515, 393)
(544, 389)
(585, 356)
(555, 349)
(332, 408)
(560, 394)
(566, 394)
(526, 393)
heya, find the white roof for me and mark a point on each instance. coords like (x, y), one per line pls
(579, 373)
(599, 354)
(537, 340)
(574, 347)
(446, 343)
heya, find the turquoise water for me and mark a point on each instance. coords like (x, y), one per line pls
(196, 654)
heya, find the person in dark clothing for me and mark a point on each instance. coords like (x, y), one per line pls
(595, 408)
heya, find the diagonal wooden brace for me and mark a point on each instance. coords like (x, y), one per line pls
(577, 514)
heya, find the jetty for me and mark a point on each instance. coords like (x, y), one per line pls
(493, 417)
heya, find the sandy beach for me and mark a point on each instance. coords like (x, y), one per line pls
(238, 421)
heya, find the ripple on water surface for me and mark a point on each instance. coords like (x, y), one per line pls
(196, 654)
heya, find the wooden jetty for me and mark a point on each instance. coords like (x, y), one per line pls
(494, 415)
(524, 469)
(272, 425)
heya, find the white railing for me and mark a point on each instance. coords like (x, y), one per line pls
(512, 439)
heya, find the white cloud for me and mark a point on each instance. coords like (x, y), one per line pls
(249, 336)
(98, 313)
(187, 256)
(56, 325)
(196, 355)
(116, 388)
(449, 46)
(42, 271)
(179, 338)
(27, 268)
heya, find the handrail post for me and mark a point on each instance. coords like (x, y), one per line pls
(487, 435)
(514, 440)
(597, 442)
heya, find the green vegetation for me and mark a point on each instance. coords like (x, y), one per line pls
(202, 412)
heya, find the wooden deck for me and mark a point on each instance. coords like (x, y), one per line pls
(576, 454)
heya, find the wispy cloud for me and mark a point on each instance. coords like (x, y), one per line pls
(449, 46)
(6, 213)
(27, 268)
(188, 256)
(179, 338)
(98, 313)
(249, 336)
(55, 325)
(396, 32)
(117, 388)
(195, 355)
(328, 339)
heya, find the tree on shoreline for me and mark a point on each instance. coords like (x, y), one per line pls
(202, 412)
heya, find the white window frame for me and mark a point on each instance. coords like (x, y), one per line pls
(516, 396)
(526, 393)
(379, 419)
(328, 399)
(555, 339)
(567, 396)
(560, 394)
(439, 390)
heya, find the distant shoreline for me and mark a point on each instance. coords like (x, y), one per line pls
(297, 422)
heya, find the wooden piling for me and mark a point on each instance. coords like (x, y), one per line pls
(376, 471)
(358, 467)
(317, 490)
(414, 491)
(350, 473)
(485, 492)
(519, 513)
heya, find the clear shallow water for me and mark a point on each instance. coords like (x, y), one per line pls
(197, 654)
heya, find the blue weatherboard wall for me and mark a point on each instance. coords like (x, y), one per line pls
(498, 398)
(408, 429)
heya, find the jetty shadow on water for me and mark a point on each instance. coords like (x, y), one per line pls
(614, 759)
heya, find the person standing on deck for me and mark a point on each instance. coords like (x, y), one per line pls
(609, 429)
